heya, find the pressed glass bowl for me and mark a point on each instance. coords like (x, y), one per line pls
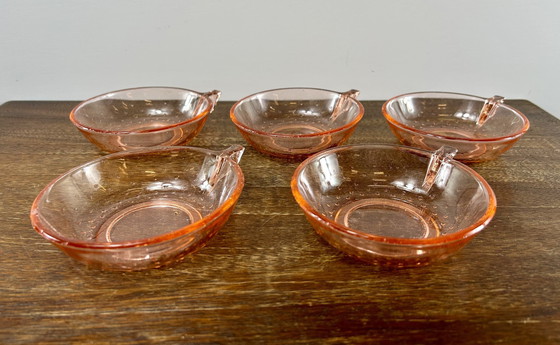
(143, 117)
(393, 205)
(297, 122)
(140, 209)
(480, 129)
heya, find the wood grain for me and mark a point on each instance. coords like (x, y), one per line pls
(267, 278)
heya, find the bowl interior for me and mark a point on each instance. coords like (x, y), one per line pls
(452, 115)
(294, 111)
(137, 195)
(141, 109)
(374, 190)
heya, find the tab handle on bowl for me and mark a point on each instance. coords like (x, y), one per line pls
(439, 169)
(213, 96)
(342, 103)
(234, 153)
(489, 109)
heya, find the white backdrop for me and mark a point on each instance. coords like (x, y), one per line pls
(74, 49)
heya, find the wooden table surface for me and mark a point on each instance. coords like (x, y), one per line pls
(267, 278)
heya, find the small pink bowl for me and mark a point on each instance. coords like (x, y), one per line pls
(480, 129)
(297, 122)
(142, 208)
(394, 206)
(143, 117)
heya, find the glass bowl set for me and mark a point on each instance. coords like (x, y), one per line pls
(152, 200)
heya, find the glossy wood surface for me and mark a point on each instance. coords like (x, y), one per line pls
(267, 278)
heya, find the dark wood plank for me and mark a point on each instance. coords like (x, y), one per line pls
(267, 278)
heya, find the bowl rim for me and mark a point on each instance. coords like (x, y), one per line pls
(440, 240)
(195, 227)
(246, 128)
(405, 127)
(203, 113)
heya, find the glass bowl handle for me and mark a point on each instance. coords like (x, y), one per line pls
(342, 103)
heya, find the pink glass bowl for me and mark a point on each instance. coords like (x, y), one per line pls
(480, 129)
(142, 208)
(393, 205)
(297, 122)
(143, 117)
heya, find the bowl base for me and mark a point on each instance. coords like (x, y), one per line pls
(388, 218)
(456, 133)
(298, 146)
(296, 129)
(147, 219)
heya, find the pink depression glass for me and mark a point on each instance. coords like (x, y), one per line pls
(429, 120)
(142, 208)
(393, 205)
(297, 122)
(143, 117)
